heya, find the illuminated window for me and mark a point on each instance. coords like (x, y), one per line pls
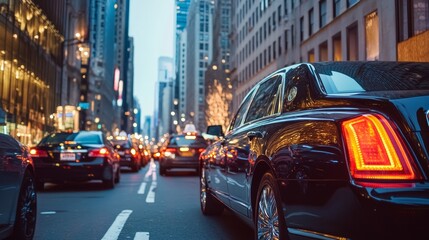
(323, 51)
(336, 47)
(352, 43)
(372, 36)
(311, 55)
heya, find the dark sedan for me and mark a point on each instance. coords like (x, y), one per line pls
(18, 199)
(327, 151)
(181, 151)
(76, 156)
(128, 152)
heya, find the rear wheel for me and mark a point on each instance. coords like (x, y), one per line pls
(40, 186)
(26, 212)
(109, 179)
(162, 170)
(118, 175)
(209, 204)
(269, 217)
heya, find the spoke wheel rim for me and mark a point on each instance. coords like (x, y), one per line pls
(268, 217)
(28, 209)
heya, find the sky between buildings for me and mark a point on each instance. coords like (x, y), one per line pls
(152, 27)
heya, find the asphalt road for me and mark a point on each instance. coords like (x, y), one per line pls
(142, 206)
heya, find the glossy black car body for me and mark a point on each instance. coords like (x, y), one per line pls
(128, 152)
(181, 151)
(18, 198)
(76, 156)
(327, 151)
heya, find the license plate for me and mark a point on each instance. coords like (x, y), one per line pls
(121, 153)
(67, 157)
(186, 154)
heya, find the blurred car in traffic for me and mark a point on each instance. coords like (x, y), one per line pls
(75, 156)
(143, 151)
(128, 152)
(335, 150)
(154, 151)
(18, 198)
(181, 151)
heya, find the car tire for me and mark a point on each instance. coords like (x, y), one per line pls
(135, 167)
(162, 170)
(40, 186)
(26, 212)
(266, 225)
(118, 176)
(208, 203)
(109, 181)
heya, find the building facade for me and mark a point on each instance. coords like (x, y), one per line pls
(218, 85)
(198, 56)
(101, 93)
(272, 34)
(162, 123)
(123, 59)
(179, 99)
(30, 67)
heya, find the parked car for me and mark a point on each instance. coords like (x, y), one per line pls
(335, 150)
(75, 156)
(128, 152)
(181, 151)
(18, 198)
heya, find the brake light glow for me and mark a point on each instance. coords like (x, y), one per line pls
(102, 152)
(133, 151)
(200, 150)
(38, 153)
(184, 149)
(170, 152)
(376, 151)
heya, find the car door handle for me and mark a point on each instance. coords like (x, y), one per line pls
(255, 134)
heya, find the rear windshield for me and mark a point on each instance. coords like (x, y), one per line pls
(121, 143)
(355, 77)
(78, 138)
(186, 140)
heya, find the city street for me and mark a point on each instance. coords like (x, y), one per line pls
(143, 205)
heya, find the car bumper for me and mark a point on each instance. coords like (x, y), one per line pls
(358, 212)
(180, 162)
(128, 161)
(60, 172)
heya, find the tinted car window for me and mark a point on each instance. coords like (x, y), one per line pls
(80, 137)
(240, 113)
(265, 101)
(186, 140)
(122, 143)
(7, 142)
(372, 76)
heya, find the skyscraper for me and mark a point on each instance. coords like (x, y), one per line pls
(199, 53)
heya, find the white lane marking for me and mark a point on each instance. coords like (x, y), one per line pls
(48, 213)
(118, 224)
(154, 176)
(141, 236)
(150, 170)
(142, 188)
(150, 198)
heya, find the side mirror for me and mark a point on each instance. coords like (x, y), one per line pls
(215, 130)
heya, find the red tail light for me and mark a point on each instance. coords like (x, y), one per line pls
(102, 152)
(133, 151)
(170, 150)
(376, 151)
(200, 150)
(38, 153)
